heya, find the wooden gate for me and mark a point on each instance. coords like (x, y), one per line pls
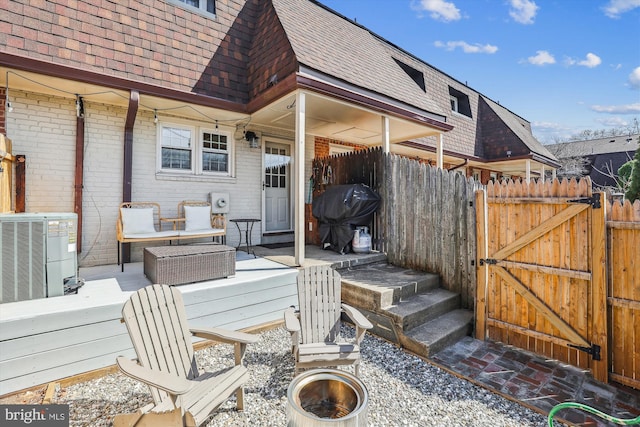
(541, 270)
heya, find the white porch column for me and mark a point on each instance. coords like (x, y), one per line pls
(298, 197)
(527, 175)
(439, 149)
(386, 144)
(541, 173)
(553, 173)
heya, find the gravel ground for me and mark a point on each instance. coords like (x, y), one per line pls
(403, 390)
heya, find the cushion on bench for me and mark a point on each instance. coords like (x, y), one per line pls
(137, 221)
(197, 218)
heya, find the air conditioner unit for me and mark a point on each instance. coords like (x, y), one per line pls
(37, 253)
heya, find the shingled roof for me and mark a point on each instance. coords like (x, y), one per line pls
(331, 44)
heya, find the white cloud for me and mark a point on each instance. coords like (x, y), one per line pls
(523, 11)
(617, 109)
(441, 10)
(634, 78)
(590, 61)
(616, 122)
(542, 57)
(615, 8)
(466, 47)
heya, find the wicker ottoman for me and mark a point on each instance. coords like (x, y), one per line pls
(177, 265)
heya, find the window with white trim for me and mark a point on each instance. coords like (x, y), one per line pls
(194, 150)
(459, 102)
(204, 5)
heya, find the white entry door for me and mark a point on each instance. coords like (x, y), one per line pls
(277, 186)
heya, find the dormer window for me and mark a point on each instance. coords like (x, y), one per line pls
(203, 5)
(459, 102)
(416, 75)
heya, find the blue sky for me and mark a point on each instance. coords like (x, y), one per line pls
(564, 65)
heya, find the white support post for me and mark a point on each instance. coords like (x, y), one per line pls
(299, 178)
(439, 149)
(553, 174)
(386, 144)
(527, 175)
(542, 173)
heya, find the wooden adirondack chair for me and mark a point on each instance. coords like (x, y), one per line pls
(315, 329)
(157, 324)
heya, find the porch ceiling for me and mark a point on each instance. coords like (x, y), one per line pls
(336, 119)
(68, 88)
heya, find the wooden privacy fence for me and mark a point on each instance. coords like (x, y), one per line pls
(426, 220)
(623, 295)
(541, 278)
(429, 221)
(558, 275)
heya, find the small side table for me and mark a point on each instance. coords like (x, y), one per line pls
(248, 229)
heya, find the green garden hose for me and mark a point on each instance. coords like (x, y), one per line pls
(560, 406)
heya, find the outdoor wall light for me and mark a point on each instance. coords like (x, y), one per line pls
(252, 138)
(155, 116)
(9, 107)
(508, 153)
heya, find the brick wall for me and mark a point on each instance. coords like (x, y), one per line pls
(43, 128)
(322, 146)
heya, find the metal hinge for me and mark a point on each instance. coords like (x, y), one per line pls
(484, 261)
(594, 350)
(594, 201)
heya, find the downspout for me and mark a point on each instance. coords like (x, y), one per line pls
(79, 172)
(459, 166)
(127, 170)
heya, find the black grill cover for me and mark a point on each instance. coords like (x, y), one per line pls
(340, 209)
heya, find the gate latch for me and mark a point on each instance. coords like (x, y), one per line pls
(594, 350)
(484, 261)
(594, 201)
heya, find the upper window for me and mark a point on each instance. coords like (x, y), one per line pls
(194, 149)
(459, 102)
(206, 5)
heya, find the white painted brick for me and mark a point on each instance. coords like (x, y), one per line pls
(43, 128)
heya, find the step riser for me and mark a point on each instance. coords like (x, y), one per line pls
(407, 308)
(409, 322)
(371, 297)
(430, 349)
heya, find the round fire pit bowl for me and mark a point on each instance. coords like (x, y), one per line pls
(327, 397)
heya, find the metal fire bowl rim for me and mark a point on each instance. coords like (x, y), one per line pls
(320, 374)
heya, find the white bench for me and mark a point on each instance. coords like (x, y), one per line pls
(142, 222)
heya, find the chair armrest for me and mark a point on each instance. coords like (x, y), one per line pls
(356, 317)
(291, 321)
(224, 335)
(162, 380)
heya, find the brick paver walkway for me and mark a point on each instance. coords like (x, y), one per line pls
(538, 383)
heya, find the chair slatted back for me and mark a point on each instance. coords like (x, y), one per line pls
(157, 324)
(319, 301)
